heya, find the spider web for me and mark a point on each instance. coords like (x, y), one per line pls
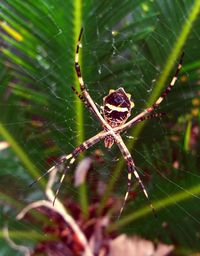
(167, 168)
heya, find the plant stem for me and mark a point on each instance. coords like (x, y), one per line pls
(79, 106)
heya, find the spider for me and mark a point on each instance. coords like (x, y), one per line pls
(117, 106)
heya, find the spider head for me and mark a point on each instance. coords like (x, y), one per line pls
(117, 107)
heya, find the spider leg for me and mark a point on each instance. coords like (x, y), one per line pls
(85, 94)
(77, 66)
(78, 94)
(82, 147)
(156, 115)
(144, 118)
(58, 163)
(157, 102)
(83, 100)
(169, 87)
(63, 176)
(131, 170)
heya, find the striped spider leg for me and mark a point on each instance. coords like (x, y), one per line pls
(131, 165)
(71, 158)
(147, 111)
(85, 96)
(131, 170)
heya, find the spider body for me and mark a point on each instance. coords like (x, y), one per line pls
(117, 107)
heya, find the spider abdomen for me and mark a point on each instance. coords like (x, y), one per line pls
(117, 107)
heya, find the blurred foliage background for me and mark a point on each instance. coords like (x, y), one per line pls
(132, 44)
